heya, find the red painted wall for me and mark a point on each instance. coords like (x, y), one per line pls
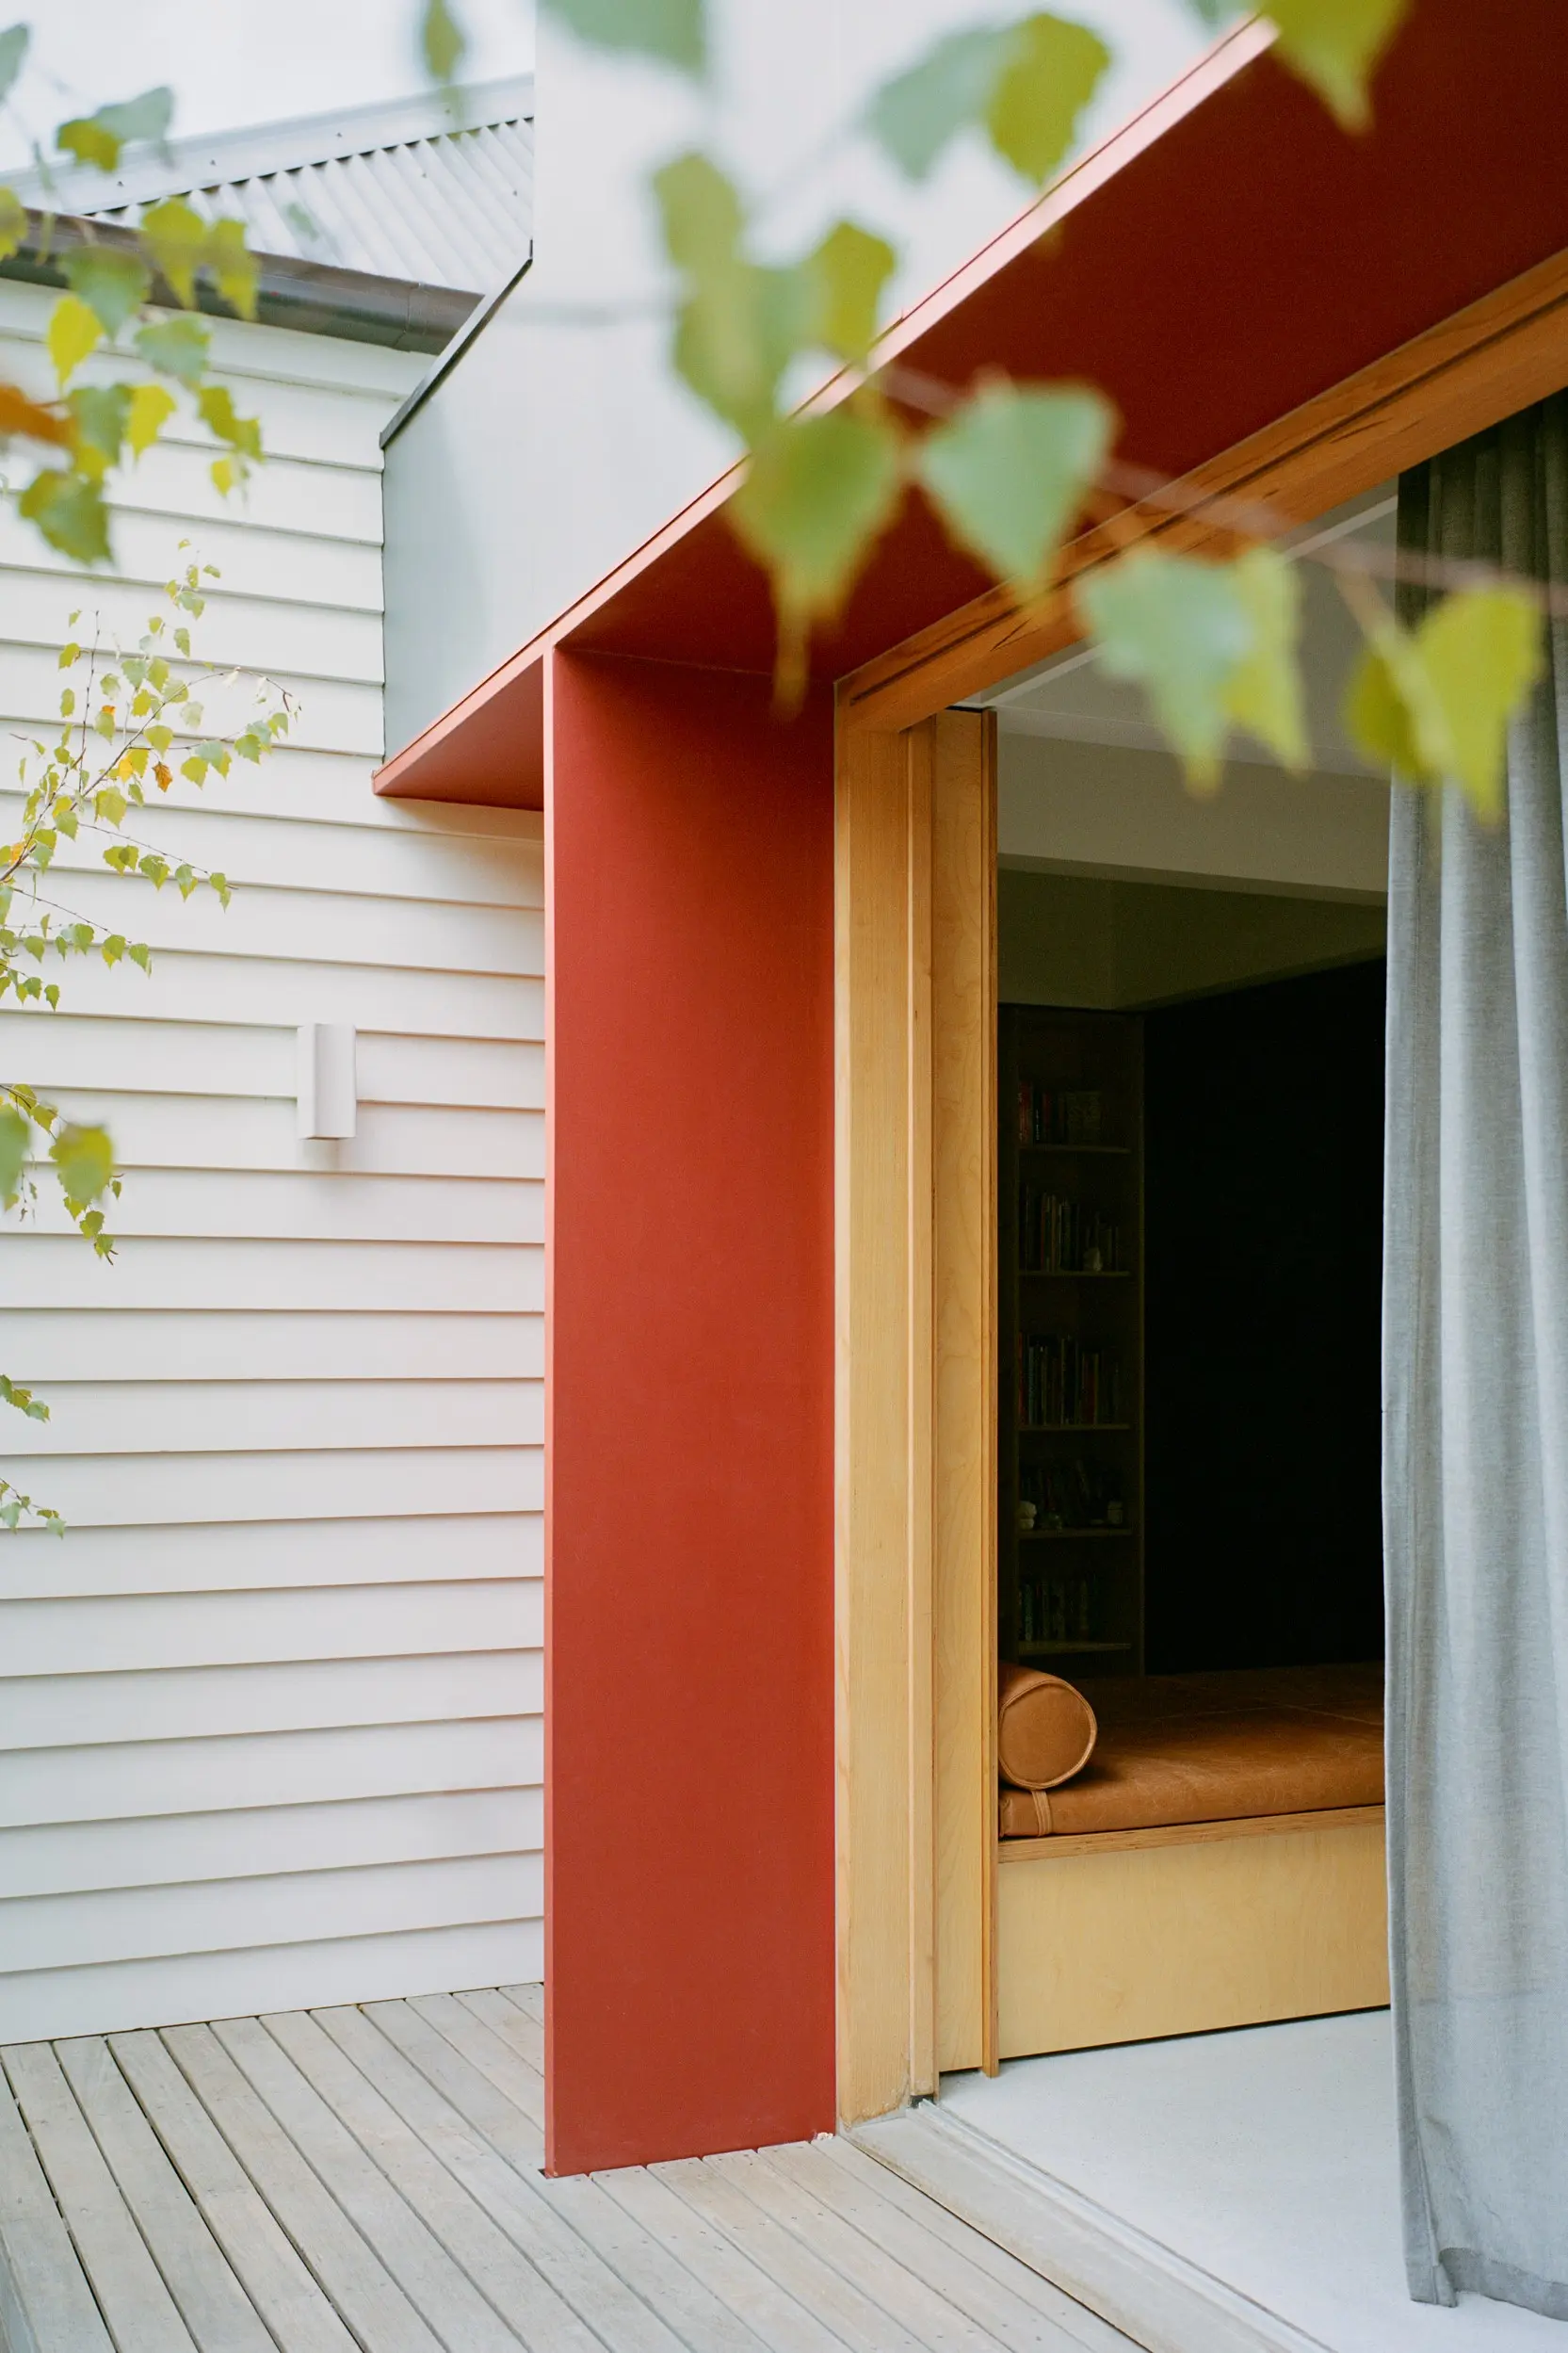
(688, 1839)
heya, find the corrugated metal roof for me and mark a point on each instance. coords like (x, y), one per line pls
(436, 190)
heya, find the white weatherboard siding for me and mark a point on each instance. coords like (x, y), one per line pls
(269, 1714)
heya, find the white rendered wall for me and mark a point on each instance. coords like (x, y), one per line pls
(269, 1726)
(559, 440)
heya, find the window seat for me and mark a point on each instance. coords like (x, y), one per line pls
(1219, 1747)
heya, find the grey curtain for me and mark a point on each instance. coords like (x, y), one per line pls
(1476, 1448)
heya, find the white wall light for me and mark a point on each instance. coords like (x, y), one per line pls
(327, 1091)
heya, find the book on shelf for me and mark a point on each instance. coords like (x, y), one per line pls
(1060, 1235)
(1056, 1609)
(1062, 1379)
(1058, 1114)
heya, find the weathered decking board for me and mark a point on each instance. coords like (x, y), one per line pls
(314, 2183)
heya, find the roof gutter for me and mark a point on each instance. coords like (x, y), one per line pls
(313, 297)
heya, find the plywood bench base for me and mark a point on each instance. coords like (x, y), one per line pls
(1131, 1934)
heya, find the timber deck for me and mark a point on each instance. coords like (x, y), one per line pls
(313, 2183)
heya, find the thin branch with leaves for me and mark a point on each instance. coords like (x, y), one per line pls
(129, 721)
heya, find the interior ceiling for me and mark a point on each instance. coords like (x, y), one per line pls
(1070, 695)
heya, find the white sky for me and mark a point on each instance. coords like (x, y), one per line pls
(235, 62)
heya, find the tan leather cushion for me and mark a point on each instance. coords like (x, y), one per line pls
(1219, 1747)
(1044, 1728)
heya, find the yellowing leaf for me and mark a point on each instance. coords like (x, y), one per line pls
(216, 407)
(441, 40)
(225, 476)
(1483, 651)
(1436, 703)
(235, 271)
(175, 238)
(673, 31)
(816, 493)
(112, 284)
(71, 335)
(84, 1159)
(98, 139)
(1180, 629)
(152, 406)
(1052, 72)
(845, 277)
(1334, 47)
(13, 220)
(1024, 85)
(1011, 470)
(1265, 691)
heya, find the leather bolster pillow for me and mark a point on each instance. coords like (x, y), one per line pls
(1045, 1730)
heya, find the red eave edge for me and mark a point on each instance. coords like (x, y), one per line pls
(488, 747)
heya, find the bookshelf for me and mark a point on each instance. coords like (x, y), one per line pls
(1070, 1268)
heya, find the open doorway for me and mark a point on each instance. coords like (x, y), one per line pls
(1188, 1204)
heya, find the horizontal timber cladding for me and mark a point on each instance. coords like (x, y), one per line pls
(270, 1714)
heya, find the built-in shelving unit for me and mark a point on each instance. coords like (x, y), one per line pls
(1070, 1255)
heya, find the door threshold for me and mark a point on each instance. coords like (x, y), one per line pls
(1140, 2286)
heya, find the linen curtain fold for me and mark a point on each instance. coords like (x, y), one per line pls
(1476, 1446)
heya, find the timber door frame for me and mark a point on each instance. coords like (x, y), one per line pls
(916, 1502)
(914, 1186)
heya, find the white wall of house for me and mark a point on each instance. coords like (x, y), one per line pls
(559, 439)
(269, 1728)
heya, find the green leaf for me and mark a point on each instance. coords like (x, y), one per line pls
(816, 493)
(673, 31)
(441, 40)
(1436, 703)
(101, 412)
(98, 139)
(14, 1134)
(175, 237)
(1010, 472)
(1265, 691)
(84, 1158)
(71, 335)
(1026, 85)
(914, 116)
(110, 805)
(13, 55)
(1334, 47)
(70, 511)
(1053, 69)
(701, 213)
(13, 1393)
(1180, 630)
(739, 324)
(175, 347)
(152, 406)
(845, 278)
(110, 283)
